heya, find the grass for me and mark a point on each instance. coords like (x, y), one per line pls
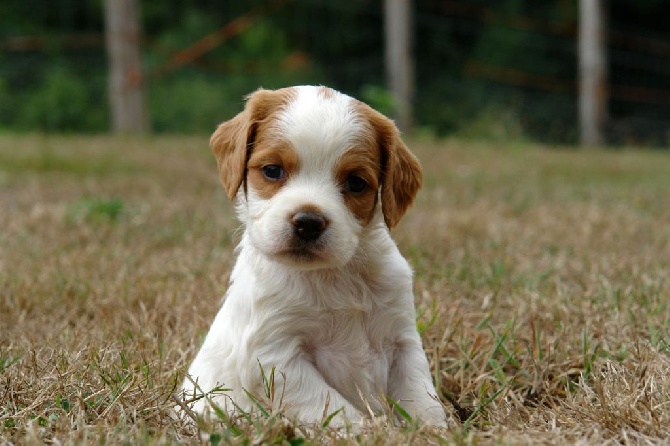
(542, 284)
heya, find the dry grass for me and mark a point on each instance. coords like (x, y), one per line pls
(542, 280)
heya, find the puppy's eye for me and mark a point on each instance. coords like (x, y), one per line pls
(273, 172)
(355, 184)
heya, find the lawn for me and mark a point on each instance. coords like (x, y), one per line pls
(542, 284)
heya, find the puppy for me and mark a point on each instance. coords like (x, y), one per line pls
(320, 293)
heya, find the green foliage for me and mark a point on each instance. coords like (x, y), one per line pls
(494, 70)
(424, 322)
(7, 361)
(400, 411)
(97, 209)
(472, 96)
(62, 102)
(190, 101)
(379, 98)
(189, 104)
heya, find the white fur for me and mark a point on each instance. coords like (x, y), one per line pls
(340, 332)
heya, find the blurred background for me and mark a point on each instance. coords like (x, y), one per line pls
(595, 72)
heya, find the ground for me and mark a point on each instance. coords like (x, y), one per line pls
(542, 284)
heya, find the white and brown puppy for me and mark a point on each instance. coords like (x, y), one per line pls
(320, 291)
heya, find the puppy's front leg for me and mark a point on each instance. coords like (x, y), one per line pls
(307, 396)
(410, 383)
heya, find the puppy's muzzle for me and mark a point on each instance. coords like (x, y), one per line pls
(308, 226)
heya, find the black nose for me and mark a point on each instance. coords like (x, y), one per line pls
(308, 226)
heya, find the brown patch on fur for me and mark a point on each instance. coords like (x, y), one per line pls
(270, 151)
(363, 161)
(234, 140)
(312, 208)
(401, 174)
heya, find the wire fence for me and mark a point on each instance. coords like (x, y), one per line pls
(501, 71)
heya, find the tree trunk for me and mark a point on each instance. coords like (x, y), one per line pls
(399, 60)
(592, 73)
(126, 82)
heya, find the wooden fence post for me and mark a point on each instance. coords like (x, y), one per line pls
(592, 73)
(399, 59)
(126, 81)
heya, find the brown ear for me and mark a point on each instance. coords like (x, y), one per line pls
(229, 145)
(401, 172)
(233, 140)
(401, 182)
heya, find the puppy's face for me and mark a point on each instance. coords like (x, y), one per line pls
(311, 165)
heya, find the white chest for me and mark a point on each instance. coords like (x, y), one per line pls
(353, 351)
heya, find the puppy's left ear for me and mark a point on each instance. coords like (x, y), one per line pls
(401, 182)
(401, 172)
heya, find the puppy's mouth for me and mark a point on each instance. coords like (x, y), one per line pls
(301, 252)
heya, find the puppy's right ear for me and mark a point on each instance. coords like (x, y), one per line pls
(229, 144)
(233, 141)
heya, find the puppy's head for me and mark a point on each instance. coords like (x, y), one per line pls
(310, 166)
